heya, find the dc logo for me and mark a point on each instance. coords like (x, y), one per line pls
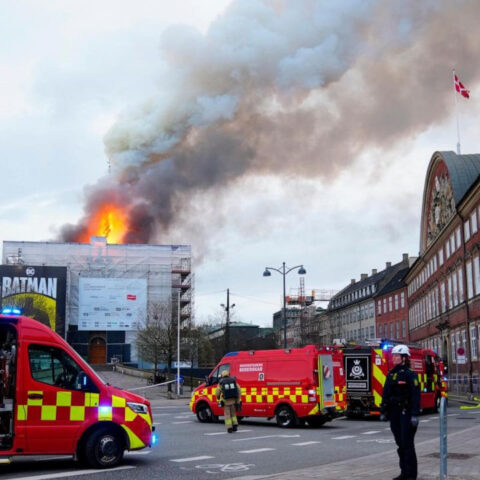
(30, 271)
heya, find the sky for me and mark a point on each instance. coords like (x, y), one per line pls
(259, 132)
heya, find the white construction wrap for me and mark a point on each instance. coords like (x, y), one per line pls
(112, 303)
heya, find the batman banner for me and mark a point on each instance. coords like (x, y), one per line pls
(39, 291)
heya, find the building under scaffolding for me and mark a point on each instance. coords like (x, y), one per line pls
(104, 296)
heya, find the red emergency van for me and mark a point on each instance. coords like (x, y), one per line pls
(293, 386)
(366, 368)
(52, 402)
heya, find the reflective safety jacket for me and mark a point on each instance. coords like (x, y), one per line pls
(401, 391)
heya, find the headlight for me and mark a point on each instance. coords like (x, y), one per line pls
(138, 407)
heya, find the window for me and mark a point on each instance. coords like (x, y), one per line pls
(473, 219)
(454, 348)
(390, 304)
(402, 300)
(466, 230)
(54, 366)
(469, 279)
(216, 375)
(391, 330)
(476, 274)
(458, 236)
(404, 331)
(455, 289)
(460, 285)
(372, 331)
(396, 302)
(450, 292)
(447, 248)
(440, 256)
(380, 330)
(384, 305)
(397, 329)
(473, 342)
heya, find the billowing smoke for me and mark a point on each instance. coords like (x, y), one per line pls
(283, 87)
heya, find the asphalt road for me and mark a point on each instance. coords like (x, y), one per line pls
(188, 449)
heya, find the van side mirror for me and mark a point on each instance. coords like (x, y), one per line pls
(207, 380)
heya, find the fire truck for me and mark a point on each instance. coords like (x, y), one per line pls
(366, 368)
(53, 403)
(294, 386)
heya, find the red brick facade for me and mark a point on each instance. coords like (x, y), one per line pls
(444, 283)
(391, 315)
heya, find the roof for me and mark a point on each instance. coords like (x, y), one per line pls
(397, 282)
(464, 170)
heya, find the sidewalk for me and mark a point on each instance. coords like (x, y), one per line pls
(463, 460)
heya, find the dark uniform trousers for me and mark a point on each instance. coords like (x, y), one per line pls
(404, 434)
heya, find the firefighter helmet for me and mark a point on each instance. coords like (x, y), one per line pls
(401, 350)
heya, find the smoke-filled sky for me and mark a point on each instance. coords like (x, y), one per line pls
(257, 131)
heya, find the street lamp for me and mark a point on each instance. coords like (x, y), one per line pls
(284, 271)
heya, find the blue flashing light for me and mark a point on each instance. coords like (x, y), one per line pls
(154, 440)
(231, 354)
(386, 346)
(11, 311)
(105, 410)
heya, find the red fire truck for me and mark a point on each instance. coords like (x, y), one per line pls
(366, 367)
(294, 386)
(54, 403)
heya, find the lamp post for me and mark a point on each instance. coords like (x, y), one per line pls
(227, 323)
(284, 270)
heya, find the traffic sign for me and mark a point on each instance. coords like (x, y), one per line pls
(460, 351)
(461, 359)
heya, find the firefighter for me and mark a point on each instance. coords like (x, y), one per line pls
(401, 404)
(228, 394)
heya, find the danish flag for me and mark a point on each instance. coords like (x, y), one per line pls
(460, 88)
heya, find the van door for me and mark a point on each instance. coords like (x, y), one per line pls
(325, 382)
(54, 404)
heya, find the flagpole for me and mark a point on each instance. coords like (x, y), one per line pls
(456, 112)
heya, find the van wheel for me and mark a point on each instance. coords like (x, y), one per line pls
(285, 417)
(103, 449)
(436, 407)
(316, 422)
(205, 414)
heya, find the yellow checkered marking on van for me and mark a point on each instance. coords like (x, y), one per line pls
(76, 412)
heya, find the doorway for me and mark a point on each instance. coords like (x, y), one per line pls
(97, 351)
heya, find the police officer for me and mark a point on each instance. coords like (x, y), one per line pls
(228, 393)
(401, 404)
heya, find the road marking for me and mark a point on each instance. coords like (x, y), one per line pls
(424, 421)
(224, 433)
(301, 444)
(371, 432)
(142, 452)
(257, 450)
(160, 414)
(186, 421)
(343, 437)
(71, 474)
(265, 436)
(191, 459)
(156, 423)
(184, 416)
(452, 414)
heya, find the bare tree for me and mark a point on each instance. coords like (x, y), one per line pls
(156, 341)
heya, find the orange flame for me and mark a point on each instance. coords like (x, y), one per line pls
(109, 221)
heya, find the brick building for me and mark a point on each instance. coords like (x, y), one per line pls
(444, 283)
(392, 308)
(351, 312)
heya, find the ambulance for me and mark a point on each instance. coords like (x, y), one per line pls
(294, 386)
(366, 368)
(53, 403)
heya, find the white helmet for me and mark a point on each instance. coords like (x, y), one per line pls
(401, 350)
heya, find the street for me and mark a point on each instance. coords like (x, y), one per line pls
(188, 449)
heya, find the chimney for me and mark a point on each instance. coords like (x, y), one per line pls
(405, 257)
(374, 271)
(352, 281)
(388, 264)
(363, 276)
